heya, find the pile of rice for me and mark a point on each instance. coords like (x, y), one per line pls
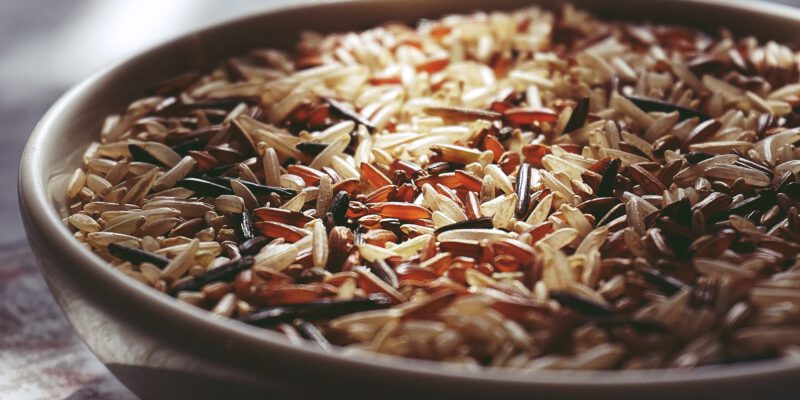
(532, 189)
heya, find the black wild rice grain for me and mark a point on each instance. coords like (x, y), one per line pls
(579, 303)
(578, 117)
(315, 310)
(244, 225)
(478, 223)
(196, 144)
(382, 270)
(227, 103)
(257, 189)
(648, 104)
(662, 281)
(141, 155)
(311, 148)
(338, 207)
(612, 214)
(342, 111)
(203, 187)
(223, 273)
(252, 246)
(136, 256)
(523, 190)
(606, 187)
(695, 157)
(310, 332)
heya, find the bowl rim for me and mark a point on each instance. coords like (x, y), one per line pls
(43, 218)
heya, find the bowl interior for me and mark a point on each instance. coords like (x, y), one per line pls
(55, 148)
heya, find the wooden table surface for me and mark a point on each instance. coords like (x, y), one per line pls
(40, 355)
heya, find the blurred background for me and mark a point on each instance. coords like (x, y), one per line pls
(45, 47)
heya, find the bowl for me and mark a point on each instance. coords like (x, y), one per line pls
(162, 348)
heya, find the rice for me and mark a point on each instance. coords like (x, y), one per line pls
(529, 189)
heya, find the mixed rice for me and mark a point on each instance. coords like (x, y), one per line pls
(532, 189)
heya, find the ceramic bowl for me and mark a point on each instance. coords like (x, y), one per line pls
(162, 348)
